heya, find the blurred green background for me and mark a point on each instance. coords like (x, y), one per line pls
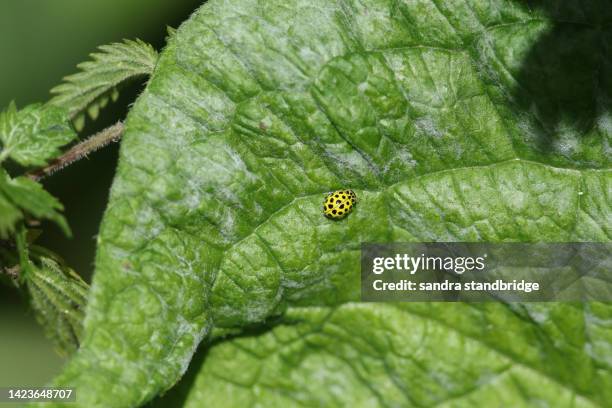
(40, 42)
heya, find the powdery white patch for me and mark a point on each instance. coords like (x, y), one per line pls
(227, 224)
(240, 165)
(194, 197)
(403, 157)
(426, 125)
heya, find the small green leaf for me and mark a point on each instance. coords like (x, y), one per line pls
(58, 296)
(33, 135)
(89, 89)
(28, 198)
(9, 215)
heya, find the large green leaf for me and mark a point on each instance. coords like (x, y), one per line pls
(435, 114)
(413, 355)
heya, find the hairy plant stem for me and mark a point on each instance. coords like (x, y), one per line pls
(99, 140)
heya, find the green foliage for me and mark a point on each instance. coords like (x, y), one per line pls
(9, 215)
(21, 197)
(58, 296)
(215, 221)
(33, 135)
(410, 354)
(91, 89)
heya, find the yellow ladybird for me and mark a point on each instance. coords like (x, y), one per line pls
(339, 203)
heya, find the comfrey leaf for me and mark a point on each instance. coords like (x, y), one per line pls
(91, 89)
(33, 135)
(58, 296)
(255, 111)
(403, 355)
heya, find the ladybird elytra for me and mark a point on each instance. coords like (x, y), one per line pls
(338, 204)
